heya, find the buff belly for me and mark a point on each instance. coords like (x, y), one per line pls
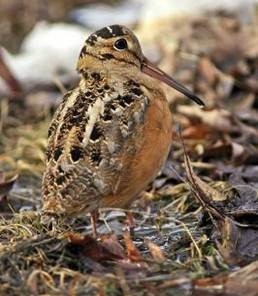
(145, 165)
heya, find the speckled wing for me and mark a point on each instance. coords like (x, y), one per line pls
(91, 131)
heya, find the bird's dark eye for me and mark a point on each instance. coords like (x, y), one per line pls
(120, 44)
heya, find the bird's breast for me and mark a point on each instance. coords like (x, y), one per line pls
(152, 144)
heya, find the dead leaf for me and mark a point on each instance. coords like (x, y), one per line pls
(230, 49)
(219, 150)
(218, 119)
(238, 152)
(239, 245)
(243, 205)
(132, 252)
(156, 252)
(198, 131)
(112, 244)
(207, 71)
(90, 247)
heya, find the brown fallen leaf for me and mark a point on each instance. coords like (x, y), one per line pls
(231, 48)
(132, 252)
(108, 249)
(206, 81)
(218, 150)
(198, 131)
(156, 252)
(230, 150)
(97, 251)
(218, 119)
(234, 55)
(207, 71)
(112, 244)
(239, 245)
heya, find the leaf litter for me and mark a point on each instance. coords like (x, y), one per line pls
(196, 224)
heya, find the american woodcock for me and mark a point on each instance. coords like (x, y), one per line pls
(111, 134)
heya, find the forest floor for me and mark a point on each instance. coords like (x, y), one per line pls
(196, 224)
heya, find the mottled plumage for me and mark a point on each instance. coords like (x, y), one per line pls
(111, 134)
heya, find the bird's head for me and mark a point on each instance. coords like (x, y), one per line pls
(116, 50)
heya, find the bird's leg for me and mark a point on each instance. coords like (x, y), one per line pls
(93, 218)
(130, 223)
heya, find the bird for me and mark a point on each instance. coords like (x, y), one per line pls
(112, 133)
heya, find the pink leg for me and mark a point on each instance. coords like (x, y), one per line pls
(130, 222)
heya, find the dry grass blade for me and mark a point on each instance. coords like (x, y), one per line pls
(27, 245)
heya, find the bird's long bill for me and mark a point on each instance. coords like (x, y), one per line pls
(153, 71)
